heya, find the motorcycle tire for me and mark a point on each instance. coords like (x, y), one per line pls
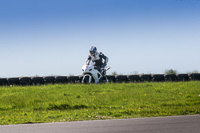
(85, 80)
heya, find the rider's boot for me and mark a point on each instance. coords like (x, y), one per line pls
(106, 79)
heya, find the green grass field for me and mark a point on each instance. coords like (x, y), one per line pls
(75, 102)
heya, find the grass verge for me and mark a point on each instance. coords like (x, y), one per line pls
(75, 102)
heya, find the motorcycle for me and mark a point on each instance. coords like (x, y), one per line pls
(91, 74)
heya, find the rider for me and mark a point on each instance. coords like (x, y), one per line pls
(99, 58)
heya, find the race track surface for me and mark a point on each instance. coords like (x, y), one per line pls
(174, 124)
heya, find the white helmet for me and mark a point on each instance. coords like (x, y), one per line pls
(93, 51)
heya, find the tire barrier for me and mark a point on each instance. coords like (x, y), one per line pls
(73, 79)
(49, 80)
(170, 77)
(80, 78)
(194, 76)
(146, 77)
(121, 78)
(182, 77)
(61, 80)
(133, 78)
(37, 80)
(111, 78)
(3, 81)
(24, 81)
(158, 77)
(13, 81)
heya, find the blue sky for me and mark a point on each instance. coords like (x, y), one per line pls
(53, 37)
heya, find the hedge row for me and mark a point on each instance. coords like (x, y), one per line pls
(115, 79)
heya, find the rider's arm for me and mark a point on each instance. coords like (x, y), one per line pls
(104, 57)
(88, 60)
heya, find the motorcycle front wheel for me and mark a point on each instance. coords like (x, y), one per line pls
(86, 80)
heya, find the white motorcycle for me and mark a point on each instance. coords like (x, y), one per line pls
(92, 75)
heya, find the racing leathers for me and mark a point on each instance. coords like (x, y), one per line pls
(99, 59)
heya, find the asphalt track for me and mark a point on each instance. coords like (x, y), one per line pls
(175, 124)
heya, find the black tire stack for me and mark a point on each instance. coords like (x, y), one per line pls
(49, 80)
(61, 80)
(111, 78)
(158, 77)
(25, 81)
(3, 82)
(37, 80)
(121, 78)
(73, 79)
(194, 76)
(182, 77)
(145, 77)
(170, 77)
(134, 78)
(13, 81)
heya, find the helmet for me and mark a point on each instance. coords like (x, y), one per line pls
(93, 51)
